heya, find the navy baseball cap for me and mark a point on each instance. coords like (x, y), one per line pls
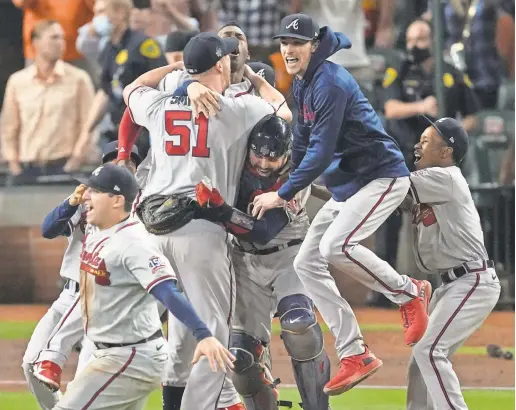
(177, 40)
(204, 51)
(265, 71)
(453, 133)
(113, 179)
(300, 26)
(110, 152)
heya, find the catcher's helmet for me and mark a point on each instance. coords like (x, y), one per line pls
(271, 137)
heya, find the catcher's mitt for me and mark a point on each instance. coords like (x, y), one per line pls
(162, 214)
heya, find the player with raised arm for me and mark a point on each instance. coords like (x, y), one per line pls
(186, 148)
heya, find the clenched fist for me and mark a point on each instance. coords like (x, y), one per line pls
(76, 198)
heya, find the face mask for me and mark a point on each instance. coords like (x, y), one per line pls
(102, 26)
(418, 55)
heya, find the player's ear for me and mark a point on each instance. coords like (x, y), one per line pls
(315, 44)
(446, 152)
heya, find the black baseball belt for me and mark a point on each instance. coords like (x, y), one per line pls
(461, 270)
(268, 251)
(155, 336)
(71, 285)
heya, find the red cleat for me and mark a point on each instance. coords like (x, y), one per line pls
(415, 313)
(352, 371)
(48, 373)
(238, 406)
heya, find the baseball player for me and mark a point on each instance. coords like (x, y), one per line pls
(122, 277)
(448, 240)
(67, 219)
(339, 137)
(266, 282)
(185, 149)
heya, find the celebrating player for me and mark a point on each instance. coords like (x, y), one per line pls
(121, 278)
(449, 241)
(266, 282)
(185, 149)
(61, 327)
(339, 136)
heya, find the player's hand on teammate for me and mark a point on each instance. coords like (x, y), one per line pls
(204, 100)
(76, 198)
(207, 196)
(218, 356)
(264, 202)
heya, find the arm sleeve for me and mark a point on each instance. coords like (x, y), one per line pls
(265, 229)
(139, 102)
(330, 106)
(127, 135)
(168, 294)
(255, 109)
(59, 220)
(431, 185)
(147, 264)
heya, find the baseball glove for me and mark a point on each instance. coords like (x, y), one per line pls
(163, 214)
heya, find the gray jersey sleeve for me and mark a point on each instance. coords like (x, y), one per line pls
(141, 102)
(431, 185)
(254, 109)
(171, 81)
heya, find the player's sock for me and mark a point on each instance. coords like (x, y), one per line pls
(172, 397)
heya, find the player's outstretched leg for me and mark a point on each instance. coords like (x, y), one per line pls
(357, 219)
(304, 342)
(252, 377)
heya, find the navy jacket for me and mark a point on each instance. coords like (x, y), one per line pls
(337, 134)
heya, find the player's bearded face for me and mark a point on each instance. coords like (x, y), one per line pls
(296, 55)
(265, 166)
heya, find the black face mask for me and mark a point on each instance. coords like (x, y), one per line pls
(417, 55)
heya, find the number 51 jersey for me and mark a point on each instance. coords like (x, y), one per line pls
(185, 149)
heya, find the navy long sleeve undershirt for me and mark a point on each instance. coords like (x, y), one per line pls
(56, 222)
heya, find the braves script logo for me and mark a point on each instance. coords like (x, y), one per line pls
(423, 213)
(93, 264)
(308, 114)
(294, 24)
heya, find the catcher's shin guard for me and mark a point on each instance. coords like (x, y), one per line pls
(304, 342)
(252, 378)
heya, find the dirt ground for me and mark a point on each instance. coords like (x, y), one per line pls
(473, 371)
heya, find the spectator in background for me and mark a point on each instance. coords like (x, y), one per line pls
(127, 55)
(71, 14)
(176, 43)
(45, 105)
(93, 36)
(380, 29)
(346, 16)
(483, 64)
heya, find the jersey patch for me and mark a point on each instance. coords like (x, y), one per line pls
(155, 263)
(150, 49)
(423, 213)
(121, 57)
(389, 77)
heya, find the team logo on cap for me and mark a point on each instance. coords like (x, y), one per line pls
(294, 24)
(261, 73)
(97, 171)
(218, 52)
(452, 140)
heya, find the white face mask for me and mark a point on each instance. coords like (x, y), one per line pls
(102, 25)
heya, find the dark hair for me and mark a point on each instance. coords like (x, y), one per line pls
(232, 24)
(422, 20)
(40, 27)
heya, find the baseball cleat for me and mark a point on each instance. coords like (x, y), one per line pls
(352, 371)
(238, 406)
(48, 373)
(415, 313)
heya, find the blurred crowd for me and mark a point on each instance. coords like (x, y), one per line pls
(80, 54)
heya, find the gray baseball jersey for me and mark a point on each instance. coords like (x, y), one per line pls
(118, 269)
(195, 148)
(447, 230)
